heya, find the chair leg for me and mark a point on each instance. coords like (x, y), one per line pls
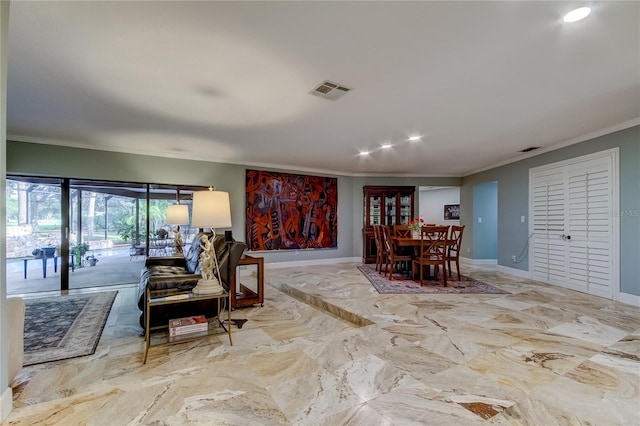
(458, 269)
(449, 268)
(391, 271)
(444, 274)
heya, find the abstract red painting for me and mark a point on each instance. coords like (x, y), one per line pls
(290, 212)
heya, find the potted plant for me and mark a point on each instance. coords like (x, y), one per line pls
(91, 260)
(78, 251)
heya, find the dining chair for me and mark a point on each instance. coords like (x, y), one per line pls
(401, 231)
(394, 255)
(433, 247)
(381, 253)
(453, 248)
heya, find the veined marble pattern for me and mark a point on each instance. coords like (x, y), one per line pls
(327, 349)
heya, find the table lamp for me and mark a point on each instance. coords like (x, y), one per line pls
(211, 209)
(177, 214)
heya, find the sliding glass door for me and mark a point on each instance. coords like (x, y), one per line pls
(70, 233)
(107, 222)
(34, 235)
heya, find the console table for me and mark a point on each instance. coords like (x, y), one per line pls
(243, 294)
(174, 296)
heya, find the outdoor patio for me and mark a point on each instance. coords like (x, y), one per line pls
(114, 267)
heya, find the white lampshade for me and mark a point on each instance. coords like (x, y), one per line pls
(211, 209)
(177, 214)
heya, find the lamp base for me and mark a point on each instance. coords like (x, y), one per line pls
(208, 287)
(177, 241)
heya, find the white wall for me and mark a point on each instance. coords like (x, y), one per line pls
(432, 201)
(5, 390)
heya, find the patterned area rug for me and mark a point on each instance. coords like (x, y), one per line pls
(401, 285)
(64, 327)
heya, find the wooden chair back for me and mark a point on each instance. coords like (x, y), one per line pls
(380, 249)
(401, 231)
(455, 239)
(393, 254)
(433, 249)
(376, 236)
(453, 248)
(385, 232)
(433, 242)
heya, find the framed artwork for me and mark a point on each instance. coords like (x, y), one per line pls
(452, 212)
(290, 212)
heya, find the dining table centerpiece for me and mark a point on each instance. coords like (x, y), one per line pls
(415, 226)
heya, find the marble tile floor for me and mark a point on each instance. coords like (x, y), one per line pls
(541, 355)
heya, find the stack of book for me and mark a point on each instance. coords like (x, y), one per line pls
(188, 325)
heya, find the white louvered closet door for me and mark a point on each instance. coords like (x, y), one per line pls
(573, 230)
(589, 227)
(548, 247)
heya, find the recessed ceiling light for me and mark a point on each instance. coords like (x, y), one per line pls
(363, 153)
(415, 138)
(386, 146)
(577, 14)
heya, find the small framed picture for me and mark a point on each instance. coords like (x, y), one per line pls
(452, 212)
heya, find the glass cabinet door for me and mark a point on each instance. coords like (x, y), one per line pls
(390, 209)
(405, 209)
(374, 212)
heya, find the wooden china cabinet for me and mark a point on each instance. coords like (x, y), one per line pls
(384, 205)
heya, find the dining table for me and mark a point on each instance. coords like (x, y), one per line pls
(415, 241)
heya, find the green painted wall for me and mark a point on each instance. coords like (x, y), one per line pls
(513, 198)
(51, 160)
(513, 201)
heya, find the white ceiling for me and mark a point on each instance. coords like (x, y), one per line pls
(229, 81)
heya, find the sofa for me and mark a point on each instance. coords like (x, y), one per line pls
(184, 272)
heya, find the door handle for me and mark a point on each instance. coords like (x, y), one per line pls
(565, 237)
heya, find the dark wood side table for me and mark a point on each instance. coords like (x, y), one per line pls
(246, 294)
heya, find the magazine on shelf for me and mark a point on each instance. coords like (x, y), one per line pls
(194, 324)
(178, 337)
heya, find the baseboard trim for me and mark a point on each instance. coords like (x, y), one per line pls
(513, 271)
(467, 261)
(6, 404)
(629, 299)
(275, 265)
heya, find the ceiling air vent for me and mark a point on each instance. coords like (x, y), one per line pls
(330, 90)
(531, 148)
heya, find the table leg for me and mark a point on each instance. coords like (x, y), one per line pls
(44, 267)
(228, 316)
(55, 264)
(25, 268)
